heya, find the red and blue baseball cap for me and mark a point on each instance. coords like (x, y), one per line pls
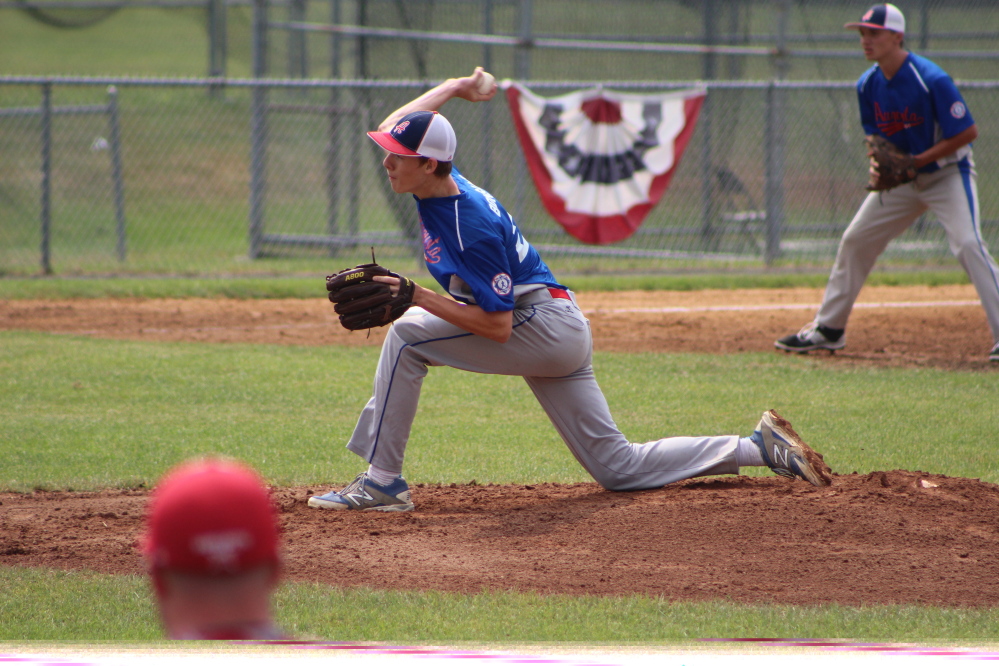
(211, 517)
(882, 17)
(420, 134)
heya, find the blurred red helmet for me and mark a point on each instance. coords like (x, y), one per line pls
(211, 517)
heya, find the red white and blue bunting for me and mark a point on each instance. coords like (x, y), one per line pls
(602, 159)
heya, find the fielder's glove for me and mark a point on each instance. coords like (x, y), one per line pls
(890, 165)
(363, 303)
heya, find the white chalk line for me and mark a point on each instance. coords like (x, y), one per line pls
(775, 306)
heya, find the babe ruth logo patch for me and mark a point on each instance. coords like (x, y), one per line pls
(502, 284)
(958, 110)
(400, 128)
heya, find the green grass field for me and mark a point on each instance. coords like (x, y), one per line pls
(42, 605)
(81, 413)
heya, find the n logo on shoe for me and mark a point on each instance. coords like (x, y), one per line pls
(782, 456)
(358, 497)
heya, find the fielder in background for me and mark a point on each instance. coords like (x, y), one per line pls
(212, 549)
(915, 105)
(508, 315)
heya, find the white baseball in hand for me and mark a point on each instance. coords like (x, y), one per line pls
(487, 83)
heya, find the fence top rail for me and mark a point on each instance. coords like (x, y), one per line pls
(120, 4)
(533, 41)
(646, 46)
(200, 82)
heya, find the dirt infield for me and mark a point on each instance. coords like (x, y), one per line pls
(939, 332)
(885, 537)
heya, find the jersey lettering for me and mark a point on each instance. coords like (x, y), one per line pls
(490, 199)
(431, 247)
(893, 122)
(522, 245)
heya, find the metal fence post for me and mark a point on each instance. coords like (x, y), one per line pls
(708, 205)
(116, 173)
(46, 247)
(775, 140)
(774, 168)
(924, 25)
(358, 107)
(522, 57)
(297, 57)
(333, 130)
(487, 109)
(258, 129)
(522, 72)
(361, 42)
(217, 46)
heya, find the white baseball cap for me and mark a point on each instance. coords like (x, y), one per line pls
(882, 17)
(421, 133)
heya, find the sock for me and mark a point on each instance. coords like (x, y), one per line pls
(382, 477)
(832, 334)
(747, 454)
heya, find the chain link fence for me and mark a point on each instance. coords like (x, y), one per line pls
(232, 176)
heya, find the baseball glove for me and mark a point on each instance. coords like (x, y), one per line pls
(362, 302)
(890, 165)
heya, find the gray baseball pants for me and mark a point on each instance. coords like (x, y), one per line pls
(953, 198)
(551, 349)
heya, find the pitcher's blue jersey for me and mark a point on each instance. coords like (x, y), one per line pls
(917, 108)
(473, 248)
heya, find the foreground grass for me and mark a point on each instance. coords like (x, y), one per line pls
(39, 604)
(86, 413)
(81, 413)
(311, 286)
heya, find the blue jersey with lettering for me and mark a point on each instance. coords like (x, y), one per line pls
(474, 250)
(915, 109)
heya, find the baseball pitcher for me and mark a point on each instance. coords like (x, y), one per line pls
(506, 313)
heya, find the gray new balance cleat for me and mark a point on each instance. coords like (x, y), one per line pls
(812, 337)
(363, 494)
(994, 354)
(785, 453)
